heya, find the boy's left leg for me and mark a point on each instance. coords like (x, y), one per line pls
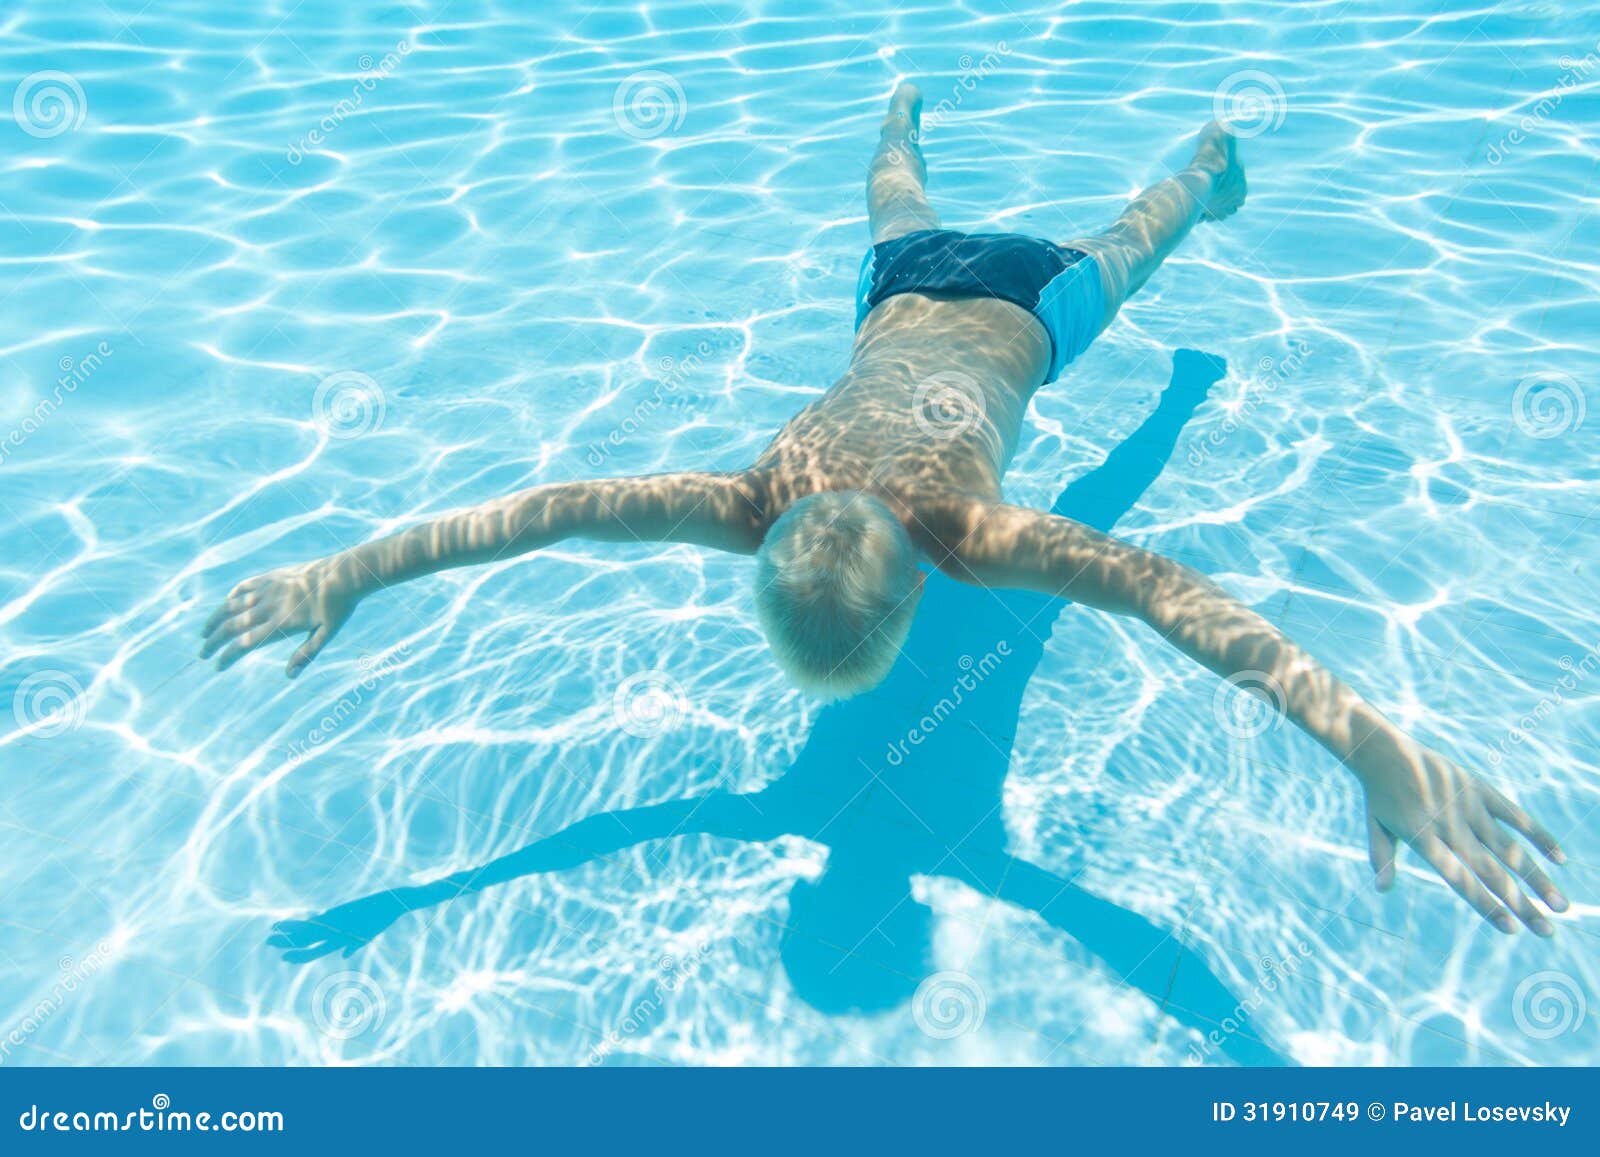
(1150, 228)
(897, 203)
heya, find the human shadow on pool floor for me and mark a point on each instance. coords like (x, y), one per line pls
(904, 780)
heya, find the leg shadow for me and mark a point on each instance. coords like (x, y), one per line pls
(909, 779)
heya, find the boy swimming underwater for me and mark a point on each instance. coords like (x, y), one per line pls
(901, 462)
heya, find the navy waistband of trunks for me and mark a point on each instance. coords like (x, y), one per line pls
(1058, 285)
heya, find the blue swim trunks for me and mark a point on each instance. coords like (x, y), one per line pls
(1059, 286)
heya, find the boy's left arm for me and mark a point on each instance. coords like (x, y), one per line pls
(1451, 818)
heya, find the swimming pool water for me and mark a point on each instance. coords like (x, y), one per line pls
(280, 278)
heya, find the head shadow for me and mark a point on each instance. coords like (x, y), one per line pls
(907, 779)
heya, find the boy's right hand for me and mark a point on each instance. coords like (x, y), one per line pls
(313, 597)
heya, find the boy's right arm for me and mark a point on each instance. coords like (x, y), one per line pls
(716, 510)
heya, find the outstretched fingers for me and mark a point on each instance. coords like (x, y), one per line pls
(1472, 851)
(229, 629)
(267, 609)
(247, 641)
(1536, 833)
(1516, 857)
(1382, 848)
(1466, 885)
(309, 649)
(307, 602)
(236, 603)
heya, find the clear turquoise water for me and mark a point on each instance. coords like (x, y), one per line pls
(493, 252)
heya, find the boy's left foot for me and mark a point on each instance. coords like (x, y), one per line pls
(1217, 156)
(902, 126)
(905, 107)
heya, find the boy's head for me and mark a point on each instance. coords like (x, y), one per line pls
(836, 586)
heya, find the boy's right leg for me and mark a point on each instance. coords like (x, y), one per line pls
(1150, 228)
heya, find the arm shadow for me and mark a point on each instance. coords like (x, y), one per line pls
(350, 926)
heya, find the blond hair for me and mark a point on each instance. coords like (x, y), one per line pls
(836, 587)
